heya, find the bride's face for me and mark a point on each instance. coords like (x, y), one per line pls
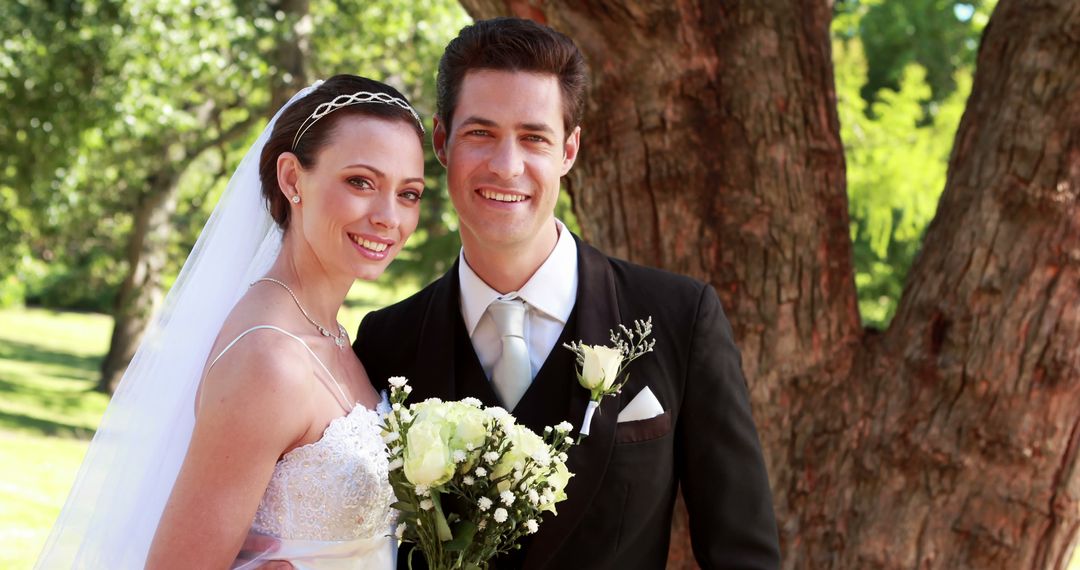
(360, 200)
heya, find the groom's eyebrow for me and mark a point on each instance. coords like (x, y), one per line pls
(534, 127)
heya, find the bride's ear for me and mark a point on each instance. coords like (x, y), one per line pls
(288, 175)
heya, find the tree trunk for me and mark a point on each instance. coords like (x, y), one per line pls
(141, 292)
(140, 295)
(711, 148)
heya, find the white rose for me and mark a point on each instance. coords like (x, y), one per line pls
(558, 481)
(523, 443)
(427, 457)
(600, 367)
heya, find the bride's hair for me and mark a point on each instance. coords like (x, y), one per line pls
(316, 134)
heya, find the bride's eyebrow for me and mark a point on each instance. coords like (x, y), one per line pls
(380, 174)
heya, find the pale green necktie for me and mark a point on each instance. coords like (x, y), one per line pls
(512, 373)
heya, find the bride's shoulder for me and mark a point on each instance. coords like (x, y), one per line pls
(269, 367)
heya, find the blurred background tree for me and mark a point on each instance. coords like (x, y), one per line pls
(903, 75)
(123, 120)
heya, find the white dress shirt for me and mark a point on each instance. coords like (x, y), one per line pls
(549, 299)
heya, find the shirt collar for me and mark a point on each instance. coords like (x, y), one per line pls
(552, 290)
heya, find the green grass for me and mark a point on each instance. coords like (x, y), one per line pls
(48, 366)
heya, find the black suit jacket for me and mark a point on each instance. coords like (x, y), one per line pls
(619, 502)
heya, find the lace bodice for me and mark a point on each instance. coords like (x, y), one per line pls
(336, 488)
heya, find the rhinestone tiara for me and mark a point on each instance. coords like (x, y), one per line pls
(354, 99)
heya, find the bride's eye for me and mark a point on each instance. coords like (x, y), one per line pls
(412, 195)
(360, 182)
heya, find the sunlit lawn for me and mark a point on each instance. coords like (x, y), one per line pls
(48, 364)
(48, 411)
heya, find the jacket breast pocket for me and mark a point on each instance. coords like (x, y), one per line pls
(643, 430)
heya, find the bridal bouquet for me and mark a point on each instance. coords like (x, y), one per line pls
(469, 480)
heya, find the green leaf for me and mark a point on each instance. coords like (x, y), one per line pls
(441, 527)
(464, 532)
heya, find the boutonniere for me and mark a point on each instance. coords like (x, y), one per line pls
(599, 368)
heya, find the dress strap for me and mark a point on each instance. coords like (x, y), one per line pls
(344, 398)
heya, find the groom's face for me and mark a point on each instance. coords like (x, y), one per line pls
(505, 154)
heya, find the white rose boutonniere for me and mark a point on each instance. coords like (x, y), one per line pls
(599, 367)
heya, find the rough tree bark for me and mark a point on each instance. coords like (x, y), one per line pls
(711, 148)
(141, 293)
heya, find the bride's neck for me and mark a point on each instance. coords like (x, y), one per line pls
(318, 289)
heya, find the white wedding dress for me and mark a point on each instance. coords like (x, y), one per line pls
(329, 501)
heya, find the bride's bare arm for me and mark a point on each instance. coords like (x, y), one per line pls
(252, 407)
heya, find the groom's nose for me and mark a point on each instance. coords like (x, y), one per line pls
(507, 160)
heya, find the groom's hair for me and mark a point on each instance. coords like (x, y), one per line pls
(284, 138)
(513, 44)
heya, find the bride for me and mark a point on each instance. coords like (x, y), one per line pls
(245, 407)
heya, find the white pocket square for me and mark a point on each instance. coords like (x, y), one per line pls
(644, 406)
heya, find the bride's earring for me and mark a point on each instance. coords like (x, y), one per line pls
(296, 199)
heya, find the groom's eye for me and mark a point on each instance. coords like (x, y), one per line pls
(479, 133)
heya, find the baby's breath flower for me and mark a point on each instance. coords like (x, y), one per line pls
(491, 456)
(426, 504)
(459, 456)
(534, 497)
(408, 389)
(481, 472)
(397, 381)
(564, 426)
(468, 480)
(532, 525)
(472, 402)
(500, 515)
(484, 503)
(507, 498)
(422, 490)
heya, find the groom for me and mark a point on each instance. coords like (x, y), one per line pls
(510, 101)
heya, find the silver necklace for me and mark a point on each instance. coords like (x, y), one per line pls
(341, 339)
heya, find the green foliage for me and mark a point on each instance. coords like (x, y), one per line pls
(941, 36)
(903, 73)
(99, 99)
(896, 164)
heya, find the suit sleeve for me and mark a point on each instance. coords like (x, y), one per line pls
(365, 348)
(722, 470)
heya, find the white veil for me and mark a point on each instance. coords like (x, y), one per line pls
(114, 507)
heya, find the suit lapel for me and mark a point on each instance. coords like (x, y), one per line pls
(596, 312)
(435, 369)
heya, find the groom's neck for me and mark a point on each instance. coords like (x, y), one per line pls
(508, 267)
